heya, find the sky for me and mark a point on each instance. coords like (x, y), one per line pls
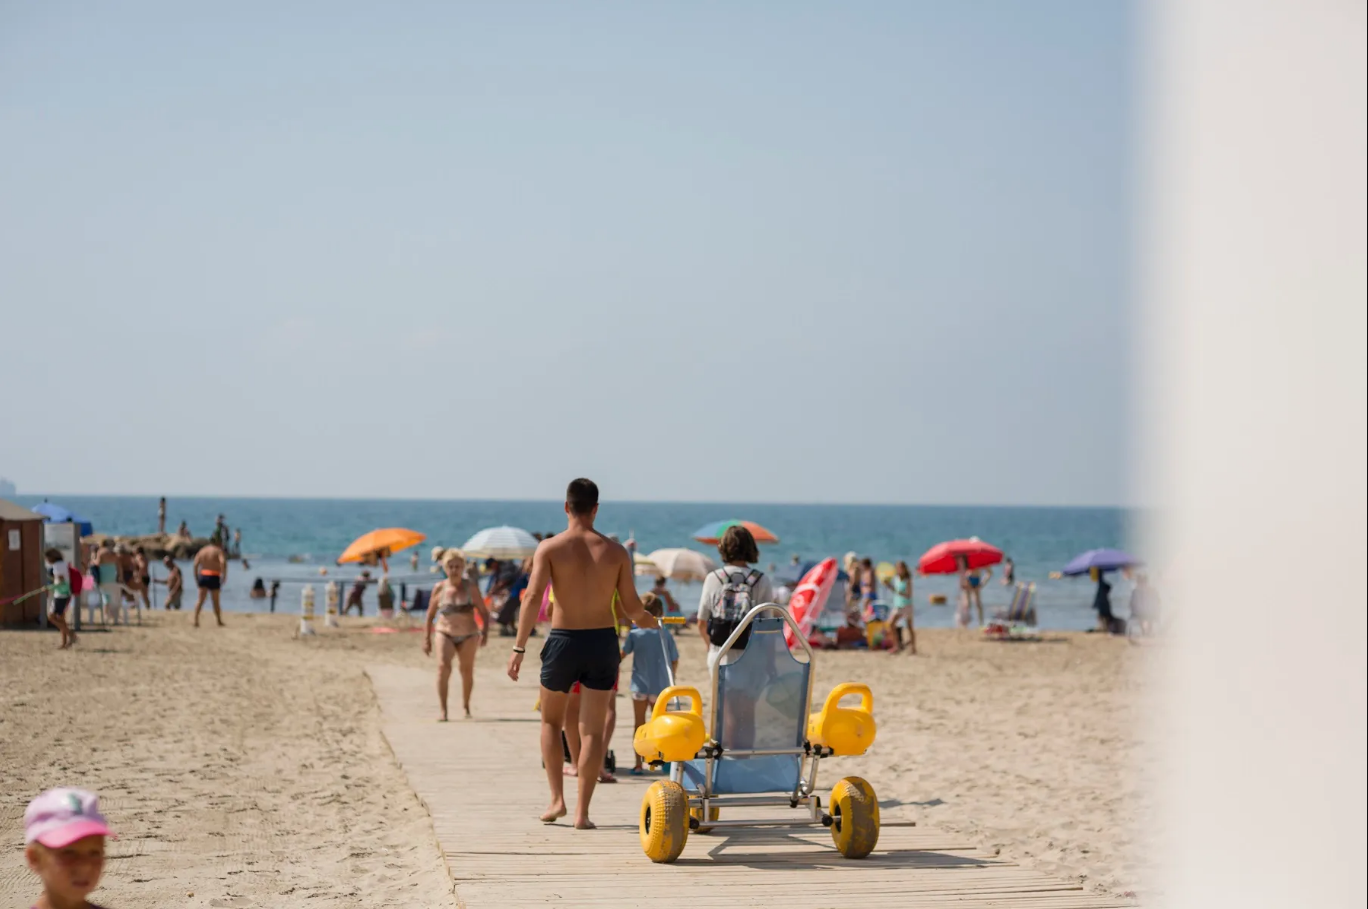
(750, 252)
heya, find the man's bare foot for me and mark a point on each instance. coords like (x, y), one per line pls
(554, 813)
(606, 777)
(220, 624)
(467, 713)
(585, 824)
(570, 770)
(442, 718)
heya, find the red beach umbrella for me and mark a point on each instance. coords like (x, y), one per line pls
(943, 558)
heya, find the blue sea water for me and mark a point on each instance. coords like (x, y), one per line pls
(1039, 540)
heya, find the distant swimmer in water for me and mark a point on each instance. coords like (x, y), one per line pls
(211, 571)
(258, 591)
(585, 568)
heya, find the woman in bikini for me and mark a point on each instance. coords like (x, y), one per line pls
(452, 612)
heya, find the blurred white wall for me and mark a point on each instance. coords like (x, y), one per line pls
(1253, 437)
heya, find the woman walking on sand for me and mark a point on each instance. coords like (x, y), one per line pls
(452, 613)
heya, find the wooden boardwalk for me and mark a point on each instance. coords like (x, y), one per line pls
(483, 784)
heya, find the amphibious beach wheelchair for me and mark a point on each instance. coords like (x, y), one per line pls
(762, 750)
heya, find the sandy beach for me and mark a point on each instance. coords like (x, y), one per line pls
(247, 768)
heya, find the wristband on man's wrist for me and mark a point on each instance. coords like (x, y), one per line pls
(520, 650)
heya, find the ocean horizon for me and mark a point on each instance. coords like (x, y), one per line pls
(290, 539)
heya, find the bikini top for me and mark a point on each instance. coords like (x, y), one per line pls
(450, 608)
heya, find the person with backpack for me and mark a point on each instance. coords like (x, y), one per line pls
(730, 592)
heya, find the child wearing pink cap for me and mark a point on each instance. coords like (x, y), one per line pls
(64, 837)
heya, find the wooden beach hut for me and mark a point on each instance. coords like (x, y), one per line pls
(21, 564)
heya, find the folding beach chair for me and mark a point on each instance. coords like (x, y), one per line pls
(1018, 623)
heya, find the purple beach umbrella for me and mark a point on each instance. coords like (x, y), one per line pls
(1101, 559)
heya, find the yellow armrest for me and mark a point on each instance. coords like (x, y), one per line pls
(845, 730)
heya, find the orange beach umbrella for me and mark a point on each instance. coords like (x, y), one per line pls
(380, 544)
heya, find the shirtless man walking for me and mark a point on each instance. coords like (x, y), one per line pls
(211, 570)
(584, 568)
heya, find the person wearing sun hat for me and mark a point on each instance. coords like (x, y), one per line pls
(64, 844)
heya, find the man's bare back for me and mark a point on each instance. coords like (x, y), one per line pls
(210, 559)
(585, 570)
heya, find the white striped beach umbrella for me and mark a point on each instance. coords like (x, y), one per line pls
(682, 564)
(500, 543)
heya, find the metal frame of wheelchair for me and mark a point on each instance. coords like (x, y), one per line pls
(669, 811)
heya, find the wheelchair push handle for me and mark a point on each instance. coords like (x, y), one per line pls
(846, 689)
(674, 692)
(665, 651)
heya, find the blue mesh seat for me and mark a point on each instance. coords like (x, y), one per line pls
(761, 705)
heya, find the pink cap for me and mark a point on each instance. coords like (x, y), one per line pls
(60, 817)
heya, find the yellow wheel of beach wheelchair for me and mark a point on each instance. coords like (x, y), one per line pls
(854, 817)
(704, 826)
(664, 821)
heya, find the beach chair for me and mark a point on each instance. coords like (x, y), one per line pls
(94, 599)
(762, 749)
(1018, 623)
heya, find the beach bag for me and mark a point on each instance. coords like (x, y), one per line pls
(77, 580)
(732, 605)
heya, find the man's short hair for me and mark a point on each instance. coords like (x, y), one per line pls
(582, 496)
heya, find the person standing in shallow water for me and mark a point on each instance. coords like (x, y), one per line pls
(457, 613)
(585, 568)
(972, 582)
(211, 571)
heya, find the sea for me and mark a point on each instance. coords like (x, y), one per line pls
(293, 540)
